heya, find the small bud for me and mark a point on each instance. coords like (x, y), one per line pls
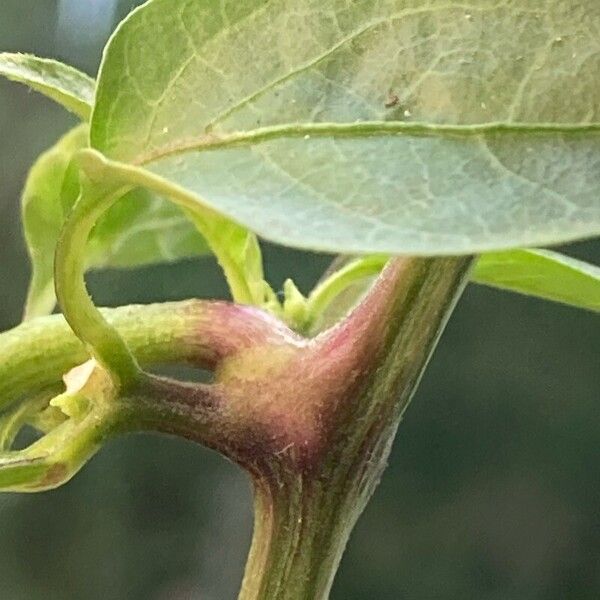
(294, 305)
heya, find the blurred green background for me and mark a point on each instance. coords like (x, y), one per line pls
(493, 489)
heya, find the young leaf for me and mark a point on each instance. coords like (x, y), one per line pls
(89, 407)
(240, 256)
(12, 421)
(427, 128)
(44, 207)
(544, 274)
(63, 84)
(139, 229)
(539, 273)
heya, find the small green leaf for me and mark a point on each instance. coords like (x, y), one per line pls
(238, 253)
(63, 84)
(12, 421)
(388, 127)
(139, 229)
(90, 407)
(543, 274)
(44, 208)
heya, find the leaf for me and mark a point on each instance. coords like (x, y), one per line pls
(541, 273)
(240, 256)
(138, 230)
(89, 407)
(44, 209)
(396, 126)
(13, 420)
(63, 84)
(544, 274)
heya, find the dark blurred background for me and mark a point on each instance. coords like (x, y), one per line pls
(493, 489)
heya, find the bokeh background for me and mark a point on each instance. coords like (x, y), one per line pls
(493, 489)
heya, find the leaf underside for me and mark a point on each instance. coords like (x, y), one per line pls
(541, 273)
(63, 84)
(140, 229)
(397, 126)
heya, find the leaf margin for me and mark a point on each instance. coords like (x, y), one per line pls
(67, 86)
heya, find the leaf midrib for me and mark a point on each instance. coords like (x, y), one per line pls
(309, 64)
(317, 59)
(210, 141)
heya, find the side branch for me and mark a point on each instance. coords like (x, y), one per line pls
(38, 353)
(35, 357)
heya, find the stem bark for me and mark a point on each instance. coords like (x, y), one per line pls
(305, 512)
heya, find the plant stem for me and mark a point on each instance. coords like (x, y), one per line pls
(304, 516)
(93, 408)
(231, 244)
(312, 420)
(327, 291)
(102, 340)
(300, 533)
(36, 354)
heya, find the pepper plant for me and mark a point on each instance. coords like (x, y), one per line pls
(428, 144)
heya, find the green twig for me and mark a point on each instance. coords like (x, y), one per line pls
(329, 289)
(101, 339)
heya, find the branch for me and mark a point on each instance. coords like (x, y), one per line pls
(95, 408)
(38, 353)
(351, 385)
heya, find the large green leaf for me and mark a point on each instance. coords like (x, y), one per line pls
(65, 85)
(395, 126)
(139, 229)
(542, 273)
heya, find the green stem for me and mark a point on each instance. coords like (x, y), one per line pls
(228, 241)
(329, 289)
(370, 365)
(102, 340)
(300, 533)
(211, 226)
(38, 353)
